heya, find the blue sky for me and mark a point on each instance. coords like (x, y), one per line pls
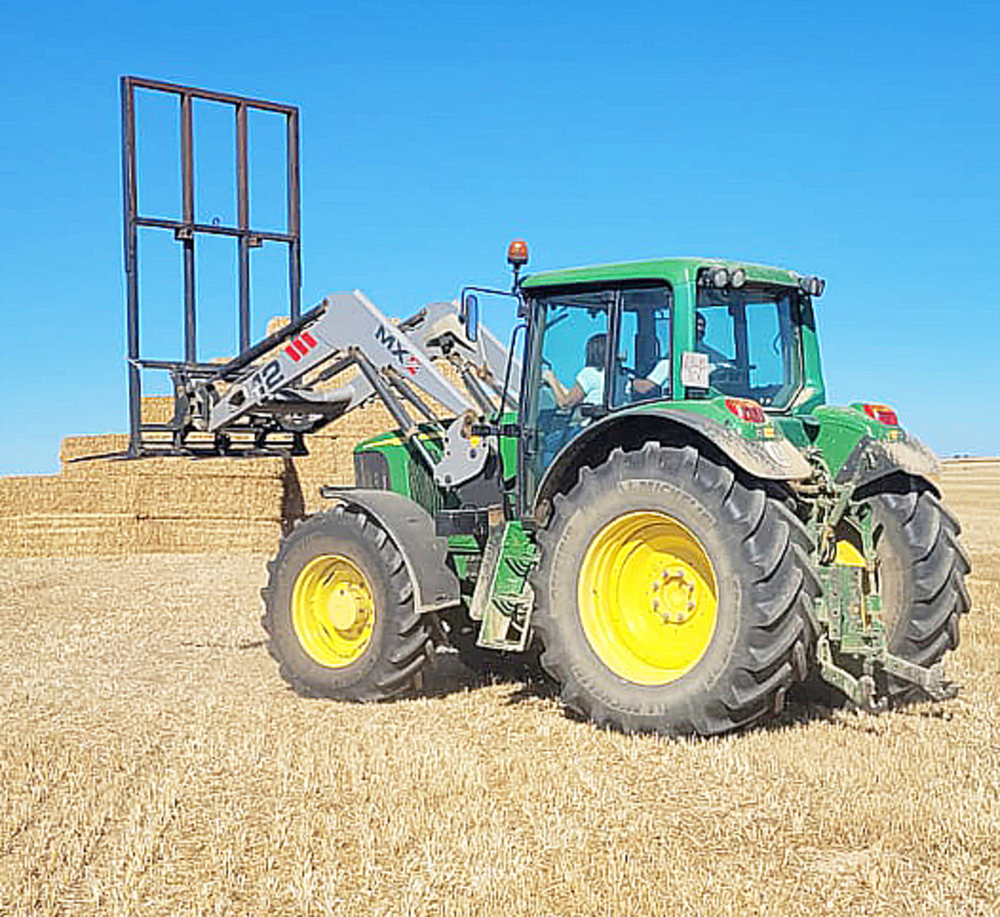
(857, 141)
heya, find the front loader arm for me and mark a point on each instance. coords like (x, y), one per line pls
(266, 399)
(348, 325)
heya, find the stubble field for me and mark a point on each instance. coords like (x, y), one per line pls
(152, 762)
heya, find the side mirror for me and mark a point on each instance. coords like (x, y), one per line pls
(470, 314)
(475, 297)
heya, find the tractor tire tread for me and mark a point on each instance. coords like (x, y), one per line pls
(771, 551)
(938, 565)
(406, 636)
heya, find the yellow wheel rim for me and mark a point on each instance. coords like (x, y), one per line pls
(647, 596)
(333, 611)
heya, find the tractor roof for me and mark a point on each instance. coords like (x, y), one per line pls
(673, 270)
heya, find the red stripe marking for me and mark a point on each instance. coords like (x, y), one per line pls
(291, 352)
(302, 349)
(309, 339)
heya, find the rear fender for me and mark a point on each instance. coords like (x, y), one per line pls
(772, 460)
(872, 460)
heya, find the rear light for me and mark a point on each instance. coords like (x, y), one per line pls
(882, 413)
(746, 409)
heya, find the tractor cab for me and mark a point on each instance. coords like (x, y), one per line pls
(594, 351)
(670, 333)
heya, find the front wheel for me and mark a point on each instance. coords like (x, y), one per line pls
(672, 596)
(339, 611)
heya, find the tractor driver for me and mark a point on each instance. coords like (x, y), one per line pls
(656, 382)
(588, 387)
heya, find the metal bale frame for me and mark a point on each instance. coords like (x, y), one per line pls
(186, 229)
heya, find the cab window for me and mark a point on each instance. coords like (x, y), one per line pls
(567, 389)
(643, 365)
(752, 340)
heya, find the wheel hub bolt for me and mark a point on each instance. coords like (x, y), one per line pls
(679, 604)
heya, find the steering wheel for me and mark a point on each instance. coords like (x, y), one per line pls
(724, 373)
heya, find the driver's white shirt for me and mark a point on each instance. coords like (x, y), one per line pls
(591, 382)
(658, 375)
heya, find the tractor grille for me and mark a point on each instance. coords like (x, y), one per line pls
(422, 487)
(371, 470)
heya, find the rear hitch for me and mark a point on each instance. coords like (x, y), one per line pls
(930, 680)
(862, 691)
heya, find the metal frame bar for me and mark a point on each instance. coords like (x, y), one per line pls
(187, 229)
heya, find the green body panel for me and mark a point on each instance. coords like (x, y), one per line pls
(508, 449)
(408, 473)
(813, 392)
(796, 429)
(506, 612)
(714, 409)
(840, 431)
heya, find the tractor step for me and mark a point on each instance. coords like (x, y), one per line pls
(503, 599)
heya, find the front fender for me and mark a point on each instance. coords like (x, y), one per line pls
(411, 528)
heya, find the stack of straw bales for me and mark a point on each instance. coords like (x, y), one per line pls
(107, 506)
(112, 506)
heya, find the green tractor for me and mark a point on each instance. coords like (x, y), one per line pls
(663, 511)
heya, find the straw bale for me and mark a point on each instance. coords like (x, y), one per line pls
(167, 496)
(125, 507)
(109, 534)
(70, 533)
(73, 448)
(105, 455)
(40, 495)
(330, 462)
(157, 408)
(264, 467)
(162, 494)
(276, 323)
(207, 535)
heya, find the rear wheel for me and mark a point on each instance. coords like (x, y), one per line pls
(922, 570)
(339, 611)
(671, 595)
